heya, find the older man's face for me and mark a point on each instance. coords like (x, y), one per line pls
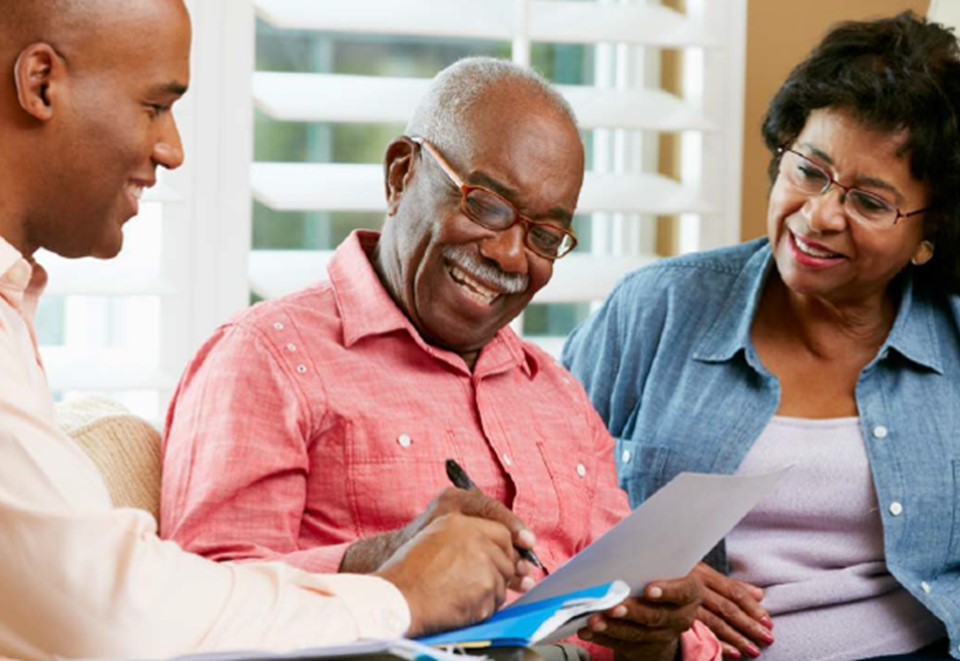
(458, 282)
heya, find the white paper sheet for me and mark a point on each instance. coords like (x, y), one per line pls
(362, 650)
(665, 537)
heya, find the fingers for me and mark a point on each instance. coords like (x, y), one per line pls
(685, 591)
(501, 551)
(733, 625)
(735, 644)
(732, 610)
(746, 596)
(652, 622)
(473, 502)
(521, 581)
(454, 572)
(640, 620)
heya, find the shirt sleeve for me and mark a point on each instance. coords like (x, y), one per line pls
(596, 355)
(698, 643)
(79, 578)
(235, 457)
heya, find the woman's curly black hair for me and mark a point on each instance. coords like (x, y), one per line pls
(890, 74)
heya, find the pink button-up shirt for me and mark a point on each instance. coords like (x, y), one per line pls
(322, 417)
(313, 420)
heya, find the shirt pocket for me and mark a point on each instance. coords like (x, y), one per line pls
(573, 473)
(394, 472)
(953, 552)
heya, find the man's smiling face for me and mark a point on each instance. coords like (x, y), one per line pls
(458, 282)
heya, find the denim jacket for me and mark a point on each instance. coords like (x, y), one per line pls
(669, 364)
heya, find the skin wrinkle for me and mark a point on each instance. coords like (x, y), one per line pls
(487, 272)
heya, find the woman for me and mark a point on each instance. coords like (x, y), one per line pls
(833, 345)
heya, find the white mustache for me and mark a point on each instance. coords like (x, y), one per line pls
(486, 272)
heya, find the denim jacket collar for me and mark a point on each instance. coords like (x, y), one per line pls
(914, 332)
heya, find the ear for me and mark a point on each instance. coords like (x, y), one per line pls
(399, 165)
(923, 253)
(37, 69)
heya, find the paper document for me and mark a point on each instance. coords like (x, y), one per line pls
(401, 649)
(663, 538)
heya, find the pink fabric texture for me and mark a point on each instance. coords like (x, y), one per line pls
(322, 417)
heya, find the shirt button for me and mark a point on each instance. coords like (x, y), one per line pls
(291, 347)
(581, 470)
(278, 326)
(404, 440)
(880, 431)
(506, 459)
(302, 369)
(896, 508)
(625, 456)
(925, 587)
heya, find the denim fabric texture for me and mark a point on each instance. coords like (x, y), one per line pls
(670, 366)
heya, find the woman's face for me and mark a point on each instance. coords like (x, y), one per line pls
(820, 248)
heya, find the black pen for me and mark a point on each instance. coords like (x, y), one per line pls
(460, 479)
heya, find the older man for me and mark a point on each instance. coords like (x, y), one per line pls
(85, 101)
(313, 429)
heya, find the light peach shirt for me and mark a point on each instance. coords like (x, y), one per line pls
(79, 578)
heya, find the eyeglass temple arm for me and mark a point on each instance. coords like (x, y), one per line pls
(441, 161)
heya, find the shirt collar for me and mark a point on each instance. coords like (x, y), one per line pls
(21, 280)
(730, 332)
(366, 309)
(915, 330)
(913, 335)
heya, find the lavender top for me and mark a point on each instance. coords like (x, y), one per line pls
(816, 547)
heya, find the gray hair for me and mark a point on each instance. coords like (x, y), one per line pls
(439, 115)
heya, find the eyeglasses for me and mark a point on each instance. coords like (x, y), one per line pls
(810, 178)
(490, 210)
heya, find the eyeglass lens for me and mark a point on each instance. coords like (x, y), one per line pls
(493, 212)
(808, 177)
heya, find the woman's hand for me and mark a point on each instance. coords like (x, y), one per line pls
(732, 610)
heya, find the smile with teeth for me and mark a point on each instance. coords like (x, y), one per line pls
(471, 287)
(807, 249)
(136, 190)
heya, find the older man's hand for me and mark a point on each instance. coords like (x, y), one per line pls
(648, 627)
(366, 555)
(453, 572)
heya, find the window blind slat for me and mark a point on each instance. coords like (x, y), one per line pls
(547, 21)
(300, 97)
(94, 375)
(439, 18)
(352, 187)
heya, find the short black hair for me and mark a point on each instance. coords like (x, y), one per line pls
(890, 74)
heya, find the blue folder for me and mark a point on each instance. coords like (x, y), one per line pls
(551, 619)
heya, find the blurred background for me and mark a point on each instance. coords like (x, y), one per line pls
(292, 103)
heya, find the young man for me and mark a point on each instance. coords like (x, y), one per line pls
(85, 120)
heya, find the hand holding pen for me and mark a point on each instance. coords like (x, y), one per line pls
(460, 479)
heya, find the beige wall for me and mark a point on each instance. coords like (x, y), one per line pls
(779, 35)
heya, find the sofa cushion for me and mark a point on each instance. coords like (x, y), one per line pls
(124, 448)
